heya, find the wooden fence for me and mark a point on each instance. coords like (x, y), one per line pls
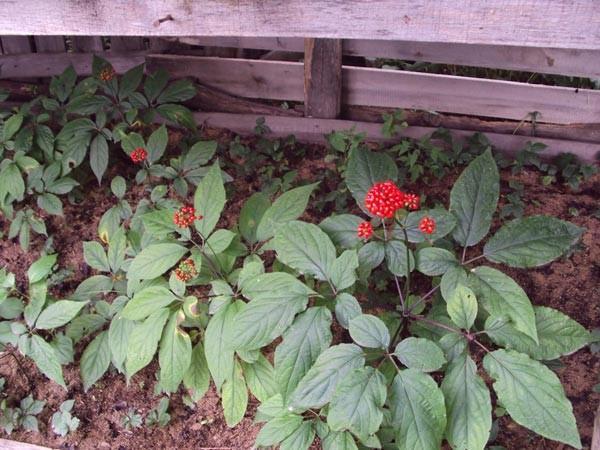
(262, 58)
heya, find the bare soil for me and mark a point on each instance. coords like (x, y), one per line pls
(571, 285)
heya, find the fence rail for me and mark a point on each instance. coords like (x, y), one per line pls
(563, 115)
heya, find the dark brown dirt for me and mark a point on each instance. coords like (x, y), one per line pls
(570, 285)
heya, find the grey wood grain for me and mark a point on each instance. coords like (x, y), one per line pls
(533, 23)
(50, 44)
(14, 45)
(322, 78)
(87, 44)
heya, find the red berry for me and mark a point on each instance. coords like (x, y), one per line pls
(427, 225)
(185, 216)
(384, 199)
(107, 74)
(138, 155)
(186, 270)
(365, 230)
(412, 202)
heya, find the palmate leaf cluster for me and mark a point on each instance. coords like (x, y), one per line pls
(267, 330)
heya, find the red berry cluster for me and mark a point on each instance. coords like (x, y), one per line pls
(365, 230)
(412, 202)
(138, 155)
(427, 225)
(185, 216)
(107, 74)
(186, 270)
(384, 199)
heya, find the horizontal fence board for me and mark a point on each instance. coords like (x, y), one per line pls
(16, 445)
(50, 44)
(314, 130)
(12, 45)
(47, 65)
(278, 80)
(580, 63)
(533, 23)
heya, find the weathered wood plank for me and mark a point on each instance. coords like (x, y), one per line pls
(322, 78)
(15, 445)
(14, 45)
(313, 130)
(87, 44)
(535, 23)
(279, 80)
(596, 435)
(124, 44)
(46, 65)
(581, 63)
(50, 44)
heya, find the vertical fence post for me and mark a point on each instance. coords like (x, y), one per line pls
(322, 78)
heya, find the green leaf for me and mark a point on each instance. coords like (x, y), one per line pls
(234, 396)
(303, 342)
(277, 430)
(260, 377)
(454, 276)
(199, 154)
(130, 81)
(50, 203)
(276, 298)
(289, 206)
(420, 354)
(197, 376)
(147, 301)
(95, 360)
(434, 261)
(178, 114)
(155, 260)
(117, 246)
(219, 355)
(468, 405)
(395, 257)
(219, 241)
(371, 255)
(99, 156)
(95, 257)
(41, 268)
(558, 335)
(143, 341)
(339, 441)
(317, 386)
(369, 331)
(58, 314)
(342, 229)
(418, 411)
(118, 186)
(365, 168)
(118, 339)
(346, 309)
(301, 439)
(473, 199)
(157, 144)
(46, 359)
(178, 91)
(306, 248)
(209, 200)
(462, 307)
(357, 404)
(37, 300)
(155, 83)
(175, 354)
(531, 241)
(343, 270)
(532, 395)
(251, 214)
(12, 182)
(501, 295)
(444, 224)
(92, 287)
(11, 126)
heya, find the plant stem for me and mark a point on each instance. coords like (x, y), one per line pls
(215, 270)
(407, 284)
(464, 255)
(402, 304)
(468, 336)
(423, 298)
(391, 358)
(469, 261)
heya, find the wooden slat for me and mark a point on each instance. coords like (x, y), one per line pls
(322, 78)
(123, 44)
(580, 63)
(15, 445)
(87, 44)
(280, 80)
(50, 44)
(13, 45)
(534, 23)
(46, 65)
(313, 130)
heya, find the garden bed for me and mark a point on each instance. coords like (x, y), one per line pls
(569, 285)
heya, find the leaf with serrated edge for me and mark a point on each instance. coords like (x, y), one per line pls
(277, 429)
(197, 376)
(468, 405)
(501, 295)
(300, 439)
(473, 199)
(357, 402)
(346, 309)
(58, 314)
(532, 395)
(342, 229)
(45, 358)
(420, 353)
(95, 360)
(260, 378)
(369, 331)
(155, 260)
(209, 200)
(303, 342)
(453, 277)
(234, 396)
(317, 387)
(143, 341)
(462, 307)
(146, 301)
(418, 411)
(435, 261)
(175, 354)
